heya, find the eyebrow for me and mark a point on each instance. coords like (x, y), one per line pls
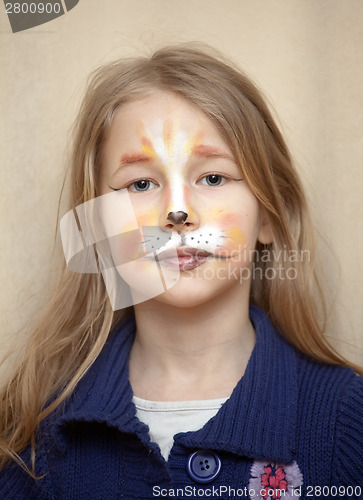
(129, 158)
(206, 151)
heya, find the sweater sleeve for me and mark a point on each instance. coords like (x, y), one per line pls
(349, 437)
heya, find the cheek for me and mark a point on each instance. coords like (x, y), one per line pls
(232, 225)
(127, 247)
(236, 237)
(149, 218)
(132, 245)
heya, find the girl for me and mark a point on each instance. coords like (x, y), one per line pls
(182, 354)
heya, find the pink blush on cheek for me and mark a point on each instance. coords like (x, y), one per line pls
(230, 220)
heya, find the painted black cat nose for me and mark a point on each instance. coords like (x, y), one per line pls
(177, 217)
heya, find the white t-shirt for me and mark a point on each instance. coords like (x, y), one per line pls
(167, 418)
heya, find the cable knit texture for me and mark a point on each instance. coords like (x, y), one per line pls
(297, 421)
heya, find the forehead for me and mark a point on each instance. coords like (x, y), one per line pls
(161, 116)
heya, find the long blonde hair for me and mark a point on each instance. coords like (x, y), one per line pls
(76, 323)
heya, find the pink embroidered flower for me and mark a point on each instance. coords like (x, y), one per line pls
(274, 481)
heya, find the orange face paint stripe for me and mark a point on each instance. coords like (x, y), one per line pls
(169, 136)
(147, 147)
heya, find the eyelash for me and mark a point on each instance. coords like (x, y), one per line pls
(221, 177)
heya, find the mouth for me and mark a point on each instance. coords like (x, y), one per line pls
(183, 258)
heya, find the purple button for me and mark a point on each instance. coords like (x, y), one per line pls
(203, 466)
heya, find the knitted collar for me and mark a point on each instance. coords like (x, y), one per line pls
(257, 421)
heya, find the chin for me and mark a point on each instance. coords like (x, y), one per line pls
(190, 292)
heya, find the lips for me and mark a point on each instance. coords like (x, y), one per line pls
(183, 258)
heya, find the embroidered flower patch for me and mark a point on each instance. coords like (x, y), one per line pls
(274, 481)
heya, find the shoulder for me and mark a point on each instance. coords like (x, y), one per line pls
(327, 389)
(329, 396)
(95, 397)
(349, 433)
(323, 379)
(330, 418)
(316, 386)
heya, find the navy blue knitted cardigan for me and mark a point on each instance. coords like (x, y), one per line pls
(292, 428)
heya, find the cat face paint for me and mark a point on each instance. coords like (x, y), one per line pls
(169, 157)
(174, 147)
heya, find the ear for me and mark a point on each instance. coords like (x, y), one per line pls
(265, 233)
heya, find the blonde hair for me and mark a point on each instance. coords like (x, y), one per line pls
(76, 323)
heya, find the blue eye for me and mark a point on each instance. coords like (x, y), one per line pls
(142, 185)
(213, 180)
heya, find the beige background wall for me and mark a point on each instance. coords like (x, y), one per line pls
(307, 56)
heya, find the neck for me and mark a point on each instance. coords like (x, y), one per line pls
(191, 353)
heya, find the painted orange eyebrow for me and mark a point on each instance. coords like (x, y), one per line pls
(129, 158)
(205, 151)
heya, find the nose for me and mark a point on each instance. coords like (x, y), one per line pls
(178, 207)
(177, 217)
(180, 221)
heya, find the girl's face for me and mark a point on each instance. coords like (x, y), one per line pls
(182, 180)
